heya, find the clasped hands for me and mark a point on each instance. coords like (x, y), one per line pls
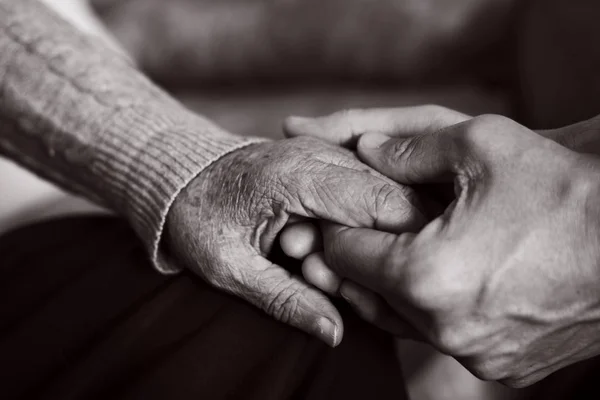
(476, 235)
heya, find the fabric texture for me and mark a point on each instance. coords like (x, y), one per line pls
(81, 115)
(84, 317)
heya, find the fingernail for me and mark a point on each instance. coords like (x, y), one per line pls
(328, 331)
(373, 140)
(350, 293)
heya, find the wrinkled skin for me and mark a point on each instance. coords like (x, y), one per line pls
(303, 240)
(507, 279)
(224, 224)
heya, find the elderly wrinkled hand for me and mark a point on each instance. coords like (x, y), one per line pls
(303, 240)
(506, 279)
(225, 222)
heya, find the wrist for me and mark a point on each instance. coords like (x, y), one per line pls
(192, 201)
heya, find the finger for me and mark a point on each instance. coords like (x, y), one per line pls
(364, 255)
(317, 273)
(288, 299)
(372, 308)
(430, 158)
(301, 239)
(362, 199)
(344, 127)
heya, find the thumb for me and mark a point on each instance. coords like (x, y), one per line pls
(290, 300)
(345, 127)
(371, 257)
(431, 158)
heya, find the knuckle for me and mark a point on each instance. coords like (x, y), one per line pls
(427, 288)
(492, 136)
(476, 133)
(487, 371)
(483, 128)
(439, 287)
(385, 193)
(402, 152)
(451, 340)
(344, 124)
(487, 120)
(394, 201)
(419, 292)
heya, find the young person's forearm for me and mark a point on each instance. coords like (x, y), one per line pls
(583, 137)
(79, 114)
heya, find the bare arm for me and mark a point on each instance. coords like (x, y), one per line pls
(582, 137)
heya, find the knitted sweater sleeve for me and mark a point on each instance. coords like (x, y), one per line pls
(80, 114)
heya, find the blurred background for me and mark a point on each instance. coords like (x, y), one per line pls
(247, 64)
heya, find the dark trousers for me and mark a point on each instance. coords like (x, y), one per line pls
(83, 316)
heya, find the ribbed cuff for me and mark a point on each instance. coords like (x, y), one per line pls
(79, 114)
(151, 157)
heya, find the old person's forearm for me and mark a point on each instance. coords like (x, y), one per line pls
(78, 113)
